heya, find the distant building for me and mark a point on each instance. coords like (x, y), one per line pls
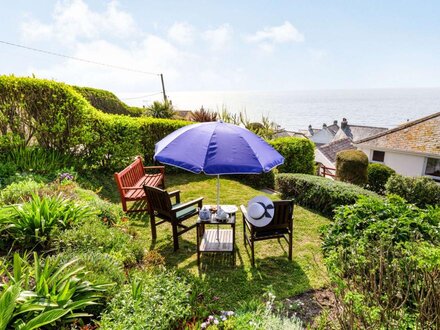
(411, 149)
(183, 114)
(334, 138)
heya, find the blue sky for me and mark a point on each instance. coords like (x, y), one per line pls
(226, 45)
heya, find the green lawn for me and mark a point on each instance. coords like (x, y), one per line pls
(240, 283)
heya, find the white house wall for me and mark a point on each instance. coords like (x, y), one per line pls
(405, 164)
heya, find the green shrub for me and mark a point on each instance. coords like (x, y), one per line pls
(50, 113)
(57, 117)
(39, 160)
(94, 235)
(318, 193)
(151, 301)
(351, 166)
(44, 292)
(104, 100)
(163, 110)
(20, 191)
(378, 175)
(298, 153)
(33, 222)
(421, 191)
(7, 170)
(383, 256)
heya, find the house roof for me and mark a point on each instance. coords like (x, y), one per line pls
(358, 132)
(289, 133)
(183, 114)
(421, 135)
(330, 150)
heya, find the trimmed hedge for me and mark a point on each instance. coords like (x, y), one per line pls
(351, 166)
(47, 112)
(378, 175)
(298, 153)
(421, 191)
(103, 100)
(318, 193)
(55, 116)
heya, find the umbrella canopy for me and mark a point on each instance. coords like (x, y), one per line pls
(217, 148)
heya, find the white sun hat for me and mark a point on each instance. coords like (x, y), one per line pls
(260, 211)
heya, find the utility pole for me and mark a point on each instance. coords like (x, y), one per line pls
(163, 89)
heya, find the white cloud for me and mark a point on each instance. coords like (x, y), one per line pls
(182, 33)
(73, 20)
(269, 36)
(218, 38)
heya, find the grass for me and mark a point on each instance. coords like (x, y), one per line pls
(241, 283)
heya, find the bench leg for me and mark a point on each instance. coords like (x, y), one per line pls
(153, 225)
(253, 252)
(124, 205)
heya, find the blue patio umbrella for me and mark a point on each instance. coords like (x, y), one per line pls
(217, 148)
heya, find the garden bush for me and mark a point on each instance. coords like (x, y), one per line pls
(57, 117)
(298, 153)
(33, 222)
(104, 100)
(42, 292)
(378, 175)
(318, 193)
(351, 166)
(47, 112)
(421, 191)
(383, 257)
(19, 192)
(161, 300)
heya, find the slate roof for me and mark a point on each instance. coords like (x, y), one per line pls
(421, 136)
(357, 132)
(330, 150)
(289, 133)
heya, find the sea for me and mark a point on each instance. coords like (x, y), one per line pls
(296, 110)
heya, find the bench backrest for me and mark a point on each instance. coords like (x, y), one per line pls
(132, 173)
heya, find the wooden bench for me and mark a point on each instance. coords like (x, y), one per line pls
(130, 182)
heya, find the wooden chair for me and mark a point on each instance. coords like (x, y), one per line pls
(160, 205)
(281, 226)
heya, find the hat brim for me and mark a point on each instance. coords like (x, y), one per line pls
(267, 218)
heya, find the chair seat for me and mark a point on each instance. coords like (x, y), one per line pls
(188, 211)
(270, 233)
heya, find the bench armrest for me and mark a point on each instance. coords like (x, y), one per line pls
(197, 201)
(154, 167)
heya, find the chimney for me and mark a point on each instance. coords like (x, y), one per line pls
(344, 123)
(311, 130)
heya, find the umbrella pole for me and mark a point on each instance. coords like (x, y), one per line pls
(218, 202)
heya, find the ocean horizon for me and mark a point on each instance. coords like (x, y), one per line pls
(294, 110)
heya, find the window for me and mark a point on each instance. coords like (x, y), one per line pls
(378, 156)
(433, 168)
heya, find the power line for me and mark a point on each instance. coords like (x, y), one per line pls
(78, 59)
